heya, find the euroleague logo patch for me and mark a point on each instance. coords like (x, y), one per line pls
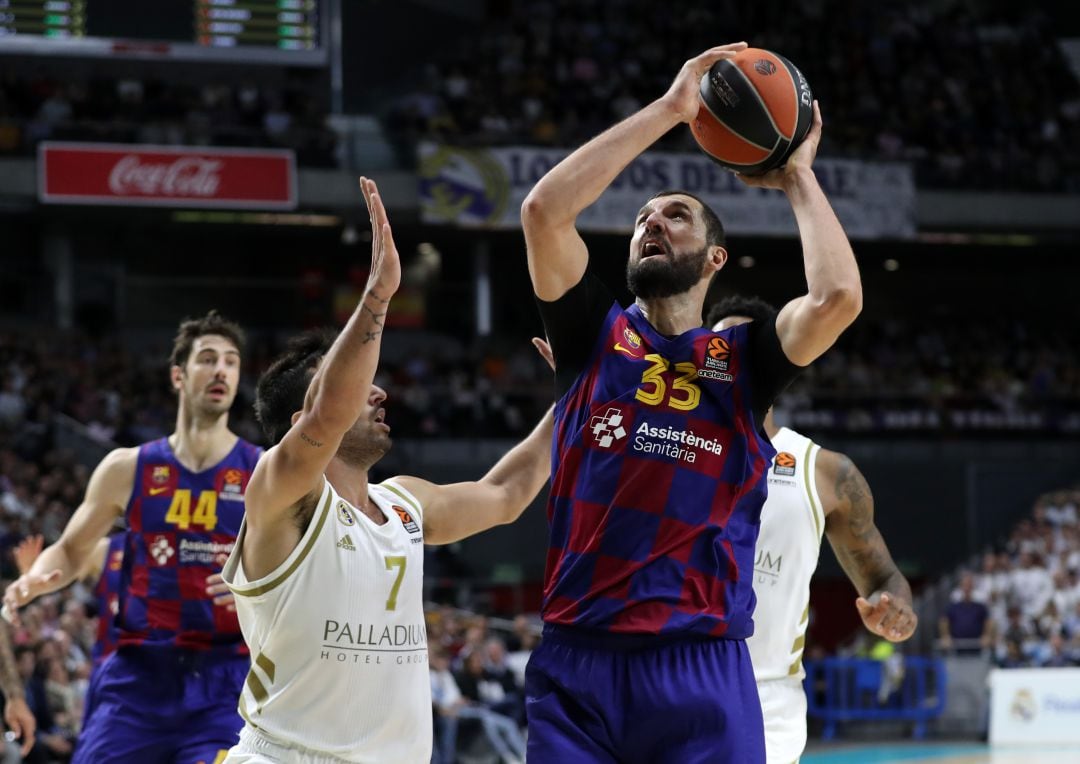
(717, 355)
(784, 464)
(406, 519)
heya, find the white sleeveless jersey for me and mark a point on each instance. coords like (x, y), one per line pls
(336, 632)
(792, 521)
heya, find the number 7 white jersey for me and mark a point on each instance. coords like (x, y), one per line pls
(788, 545)
(337, 637)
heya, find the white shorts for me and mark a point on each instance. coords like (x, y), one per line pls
(256, 748)
(783, 704)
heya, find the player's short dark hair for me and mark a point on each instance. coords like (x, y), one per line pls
(280, 390)
(754, 308)
(714, 229)
(193, 328)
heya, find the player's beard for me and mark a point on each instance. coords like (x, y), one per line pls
(363, 446)
(661, 276)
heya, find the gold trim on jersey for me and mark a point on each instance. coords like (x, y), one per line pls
(255, 591)
(401, 493)
(799, 644)
(266, 665)
(809, 492)
(258, 689)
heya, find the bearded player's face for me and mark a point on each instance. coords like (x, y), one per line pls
(668, 249)
(368, 440)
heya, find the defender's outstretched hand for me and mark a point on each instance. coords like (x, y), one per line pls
(385, 277)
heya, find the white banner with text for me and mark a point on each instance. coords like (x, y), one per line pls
(1035, 706)
(484, 188)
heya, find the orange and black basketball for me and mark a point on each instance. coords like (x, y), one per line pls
(755, 109)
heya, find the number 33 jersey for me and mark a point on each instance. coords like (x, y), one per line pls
(658, 477)
(337, 638)
(181, 528)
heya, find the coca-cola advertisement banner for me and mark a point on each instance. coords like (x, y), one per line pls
(170, 176)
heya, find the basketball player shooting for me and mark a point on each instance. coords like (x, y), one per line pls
(811, 490)
(659, 460)
(327, 570)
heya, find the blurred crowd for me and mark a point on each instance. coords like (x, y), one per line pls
(557, 72)
(932, 375)
(136, 110)
(478, 683)
(1022, 603)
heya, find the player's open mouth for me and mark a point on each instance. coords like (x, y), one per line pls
(380, 419)
(651, 247)
(219, 390)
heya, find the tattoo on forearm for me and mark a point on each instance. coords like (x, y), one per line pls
(851, 485)
(369, 337)
(9, 674)
(310, 441)
(376, 317)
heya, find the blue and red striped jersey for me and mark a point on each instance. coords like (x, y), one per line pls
(107, 594)
(658, 478)
(181, 527)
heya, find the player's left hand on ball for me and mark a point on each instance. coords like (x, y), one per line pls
(216, 588)
(802, 158)
(887, 616)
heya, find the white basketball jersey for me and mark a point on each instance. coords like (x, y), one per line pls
(336, 632)
(792, 521)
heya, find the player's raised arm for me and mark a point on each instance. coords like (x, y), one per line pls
(809, 325)
(885, 596)
(61, 563)
(338, 392)
(557, 254)
(456, 511)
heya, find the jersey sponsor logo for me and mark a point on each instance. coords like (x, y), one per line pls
(717, 355)
(161, 551)
(406, 519)
(767, 567)
(716, 376)
(683, 445)
(607, 428)
(204, 552)
(344, 516)
(116, 560)
(232, 485)
(630, 353)
(375, 644)
(346, 543)
(784, 464)
(158, 490)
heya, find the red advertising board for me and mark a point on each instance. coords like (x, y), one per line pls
(169, 176)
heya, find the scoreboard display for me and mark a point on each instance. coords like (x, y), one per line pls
(286, 32)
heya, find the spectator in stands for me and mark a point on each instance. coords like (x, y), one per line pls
(966, 625)
(1014, 656)
(483, 693)
(447, 703)
(1054, 654)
